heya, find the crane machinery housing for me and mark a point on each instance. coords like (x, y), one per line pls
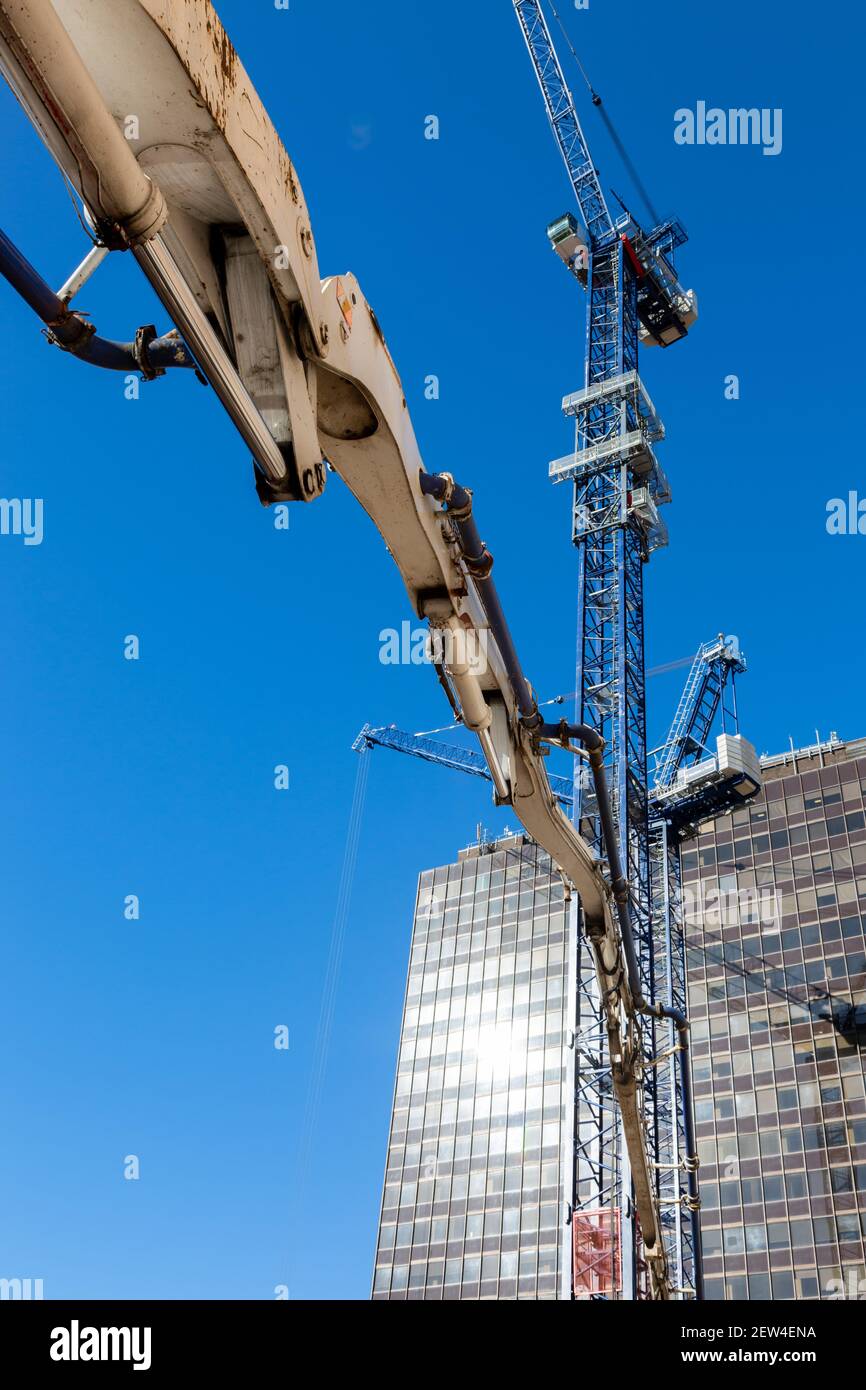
(208, 202)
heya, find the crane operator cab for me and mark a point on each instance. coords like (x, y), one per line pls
(570, 244)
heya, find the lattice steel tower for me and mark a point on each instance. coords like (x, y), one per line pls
(618, 487)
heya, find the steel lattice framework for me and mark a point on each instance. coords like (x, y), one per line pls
(563, 118)
(613, 547)
(611, 698)
(715, 668)
(713, 665)
(670, 963)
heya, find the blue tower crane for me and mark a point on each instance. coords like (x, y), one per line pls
(716, 664)
(459, 759)
(618, 489)
(682, 806)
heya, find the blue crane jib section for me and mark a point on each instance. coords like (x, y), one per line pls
(564, 121)
(422, 746)
(682, 810)
(445, 755)
(715, 668)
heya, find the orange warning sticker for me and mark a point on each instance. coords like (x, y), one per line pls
(345, 302)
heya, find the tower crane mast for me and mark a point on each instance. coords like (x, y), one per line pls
(618, 488)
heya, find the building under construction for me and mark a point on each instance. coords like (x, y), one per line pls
(544, 1140)
(204, 195)
(477, 1200)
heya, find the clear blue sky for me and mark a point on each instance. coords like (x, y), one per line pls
(156, 778)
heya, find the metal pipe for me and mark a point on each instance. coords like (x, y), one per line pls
(479, 563)
(594, 745)
(75, 334)
(28, 283)
(503, 790)
(82, 273)
(562, 733)
(149, 354)
(113, 184)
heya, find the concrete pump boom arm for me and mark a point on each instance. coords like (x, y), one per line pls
(150, 114)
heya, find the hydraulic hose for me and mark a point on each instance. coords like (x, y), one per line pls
(479, 563)
(71, 332)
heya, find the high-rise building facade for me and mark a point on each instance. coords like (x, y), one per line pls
(472, 1205)
(775, 897)
(777, 999)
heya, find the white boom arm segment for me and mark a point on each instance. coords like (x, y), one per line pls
(149, 112)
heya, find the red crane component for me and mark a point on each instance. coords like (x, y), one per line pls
(597, 1252)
